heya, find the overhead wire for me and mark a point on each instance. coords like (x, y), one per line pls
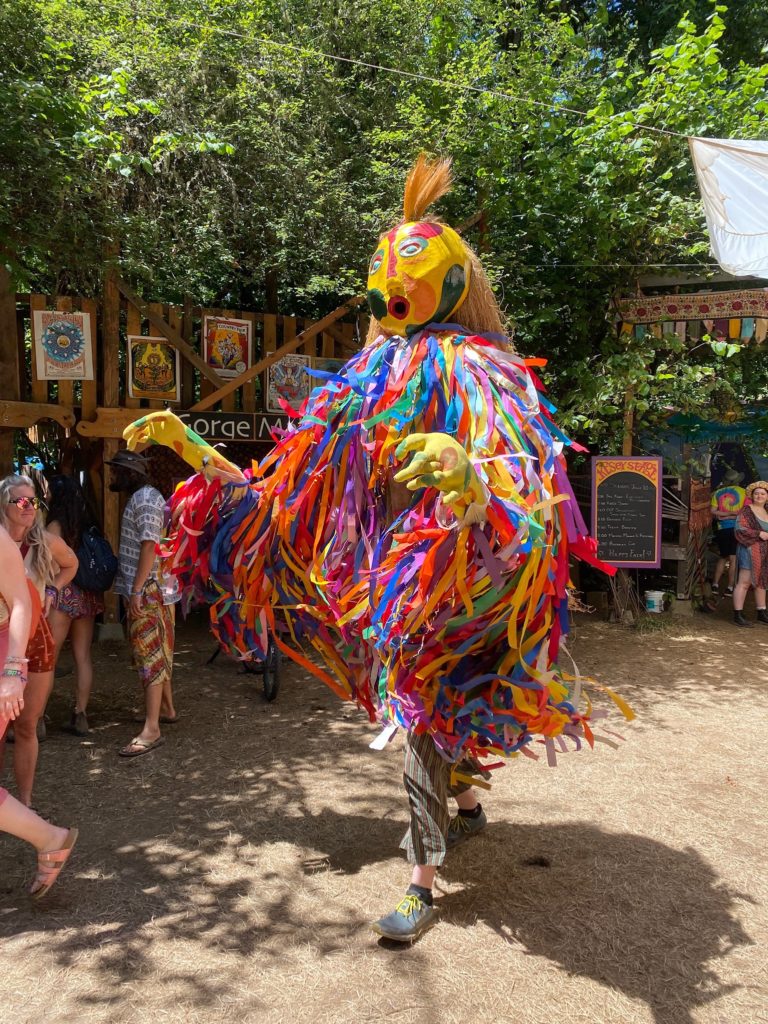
(302, 50)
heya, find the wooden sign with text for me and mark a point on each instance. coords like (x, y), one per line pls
(626, 511)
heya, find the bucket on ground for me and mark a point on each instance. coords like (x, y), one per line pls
(654, 601)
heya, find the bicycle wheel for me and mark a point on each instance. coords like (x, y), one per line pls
(271, 671)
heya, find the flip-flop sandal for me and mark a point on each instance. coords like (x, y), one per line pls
(49, 866)
(144, 746)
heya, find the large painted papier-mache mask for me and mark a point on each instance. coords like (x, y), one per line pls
(420, 272)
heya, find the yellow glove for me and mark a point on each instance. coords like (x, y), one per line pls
(165, 428)
(441, 462)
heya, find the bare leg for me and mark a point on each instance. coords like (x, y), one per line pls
(166, 706)
(718, 571)
(732, 571)
(740, 590)
(467, 800)
(760, 598)
(25, 750)
(82, 638)
(423, 875)
(60, 624)
(20, 821)
(153, 696)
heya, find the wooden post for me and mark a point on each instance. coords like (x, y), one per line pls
(187, 369)
(110, 333)
(9, 363)
(629, 422)
(682, 539)
(89, 388)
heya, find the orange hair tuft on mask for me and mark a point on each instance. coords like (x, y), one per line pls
(427, 181)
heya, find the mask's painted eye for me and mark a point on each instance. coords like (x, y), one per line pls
(411, 246)
(378, 259)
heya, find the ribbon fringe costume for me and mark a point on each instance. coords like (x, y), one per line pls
(450, 629)
(438, 606)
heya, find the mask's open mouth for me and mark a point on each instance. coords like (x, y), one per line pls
(399, 307)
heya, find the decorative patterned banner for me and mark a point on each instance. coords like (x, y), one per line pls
(153, 369)
(63, 347)
(699, 306)
(227, 345)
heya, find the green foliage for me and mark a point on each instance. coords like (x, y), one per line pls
(229, 156)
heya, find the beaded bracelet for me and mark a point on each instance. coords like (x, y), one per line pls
(12, 672)
(15, 659)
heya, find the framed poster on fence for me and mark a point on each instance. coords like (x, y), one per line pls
(626, 511)
(63, 346)
(288, 380)
(227, 345)
(153, 369)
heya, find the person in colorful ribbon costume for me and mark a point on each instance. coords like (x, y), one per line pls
(414, 527)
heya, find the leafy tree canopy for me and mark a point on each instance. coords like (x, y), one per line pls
(232, 158)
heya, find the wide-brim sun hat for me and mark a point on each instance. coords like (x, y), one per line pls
(130, 460)
(753, 487)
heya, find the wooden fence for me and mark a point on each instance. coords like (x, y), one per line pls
(87, 418)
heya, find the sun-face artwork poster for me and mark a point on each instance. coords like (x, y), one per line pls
(227, 345)
(153, 369)
(288, 380)
(63, 348)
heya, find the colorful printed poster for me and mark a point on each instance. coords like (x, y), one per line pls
(153, 369)
(287, 380)
(227, 345)
(63, 348)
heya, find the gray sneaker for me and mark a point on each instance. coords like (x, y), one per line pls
(462, 828)
(410, 919)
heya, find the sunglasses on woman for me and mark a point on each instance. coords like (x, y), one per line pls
(24, 504)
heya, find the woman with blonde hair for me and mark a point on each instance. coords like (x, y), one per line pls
(50, 564)
(53, 844)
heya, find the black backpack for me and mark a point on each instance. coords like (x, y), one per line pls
(98, 565)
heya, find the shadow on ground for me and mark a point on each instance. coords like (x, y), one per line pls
(221, 836)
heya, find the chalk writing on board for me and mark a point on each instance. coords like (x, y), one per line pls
(626, 511)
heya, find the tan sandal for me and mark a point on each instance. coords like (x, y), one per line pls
(49, 866)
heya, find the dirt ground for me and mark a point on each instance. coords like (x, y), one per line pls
(231, 876)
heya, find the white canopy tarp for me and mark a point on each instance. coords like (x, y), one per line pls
(733, 178)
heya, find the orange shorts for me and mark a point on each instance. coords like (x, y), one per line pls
(41, 649)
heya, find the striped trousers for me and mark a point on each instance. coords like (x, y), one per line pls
(427, 780)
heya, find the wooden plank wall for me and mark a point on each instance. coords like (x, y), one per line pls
(112, 320)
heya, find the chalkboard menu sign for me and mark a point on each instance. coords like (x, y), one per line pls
(626, 511)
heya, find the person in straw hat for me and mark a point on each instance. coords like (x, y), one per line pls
(752, 537)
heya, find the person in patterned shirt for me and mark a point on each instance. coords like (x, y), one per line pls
(150, 600)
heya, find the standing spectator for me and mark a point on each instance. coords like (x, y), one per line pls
(752, 535)
(53, 844)
(150, 599)
(50, 565)
(75, 610)
(727, 502)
